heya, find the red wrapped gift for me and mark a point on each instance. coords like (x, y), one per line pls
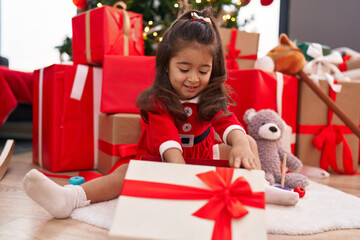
(123, 79)
(66, 104)
(106, 31)
(261, 90)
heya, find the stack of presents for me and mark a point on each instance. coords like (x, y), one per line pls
(85, 118)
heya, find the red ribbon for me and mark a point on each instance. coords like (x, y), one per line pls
(325, 140)
(117, 150)
(343, 66)
(234, 53)
(226, 199)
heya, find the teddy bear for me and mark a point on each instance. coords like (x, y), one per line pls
(267, 128)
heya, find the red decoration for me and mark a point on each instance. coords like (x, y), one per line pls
(266, 2)
(301, 191)
(80, 4)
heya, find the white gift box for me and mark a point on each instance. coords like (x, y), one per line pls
(150, 217)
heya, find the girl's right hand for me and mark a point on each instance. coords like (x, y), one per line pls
(242, 156)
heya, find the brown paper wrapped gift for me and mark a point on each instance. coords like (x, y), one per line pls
(313, 118)
(240, 48)
(116, 130)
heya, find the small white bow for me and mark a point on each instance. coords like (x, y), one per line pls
(323, 67)
(201, 18)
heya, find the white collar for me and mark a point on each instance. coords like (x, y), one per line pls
(193, 100)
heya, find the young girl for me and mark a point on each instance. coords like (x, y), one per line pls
(183, 111)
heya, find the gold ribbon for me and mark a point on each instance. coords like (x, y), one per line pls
(126, 27)
(87, 37)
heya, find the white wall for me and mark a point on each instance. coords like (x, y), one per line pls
(266, 23)
(30, 30)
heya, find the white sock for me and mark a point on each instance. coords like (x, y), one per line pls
(274, 195)
(57, 200)
(314, 172)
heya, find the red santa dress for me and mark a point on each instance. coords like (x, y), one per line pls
(194, 138)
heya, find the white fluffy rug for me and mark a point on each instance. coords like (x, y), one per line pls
(322, 209)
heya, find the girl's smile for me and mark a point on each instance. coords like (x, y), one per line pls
(190, 71)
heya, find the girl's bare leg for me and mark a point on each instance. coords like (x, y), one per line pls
(60, 201)
(107, 187)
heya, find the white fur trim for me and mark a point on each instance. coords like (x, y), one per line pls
(168, 144)
(229, 129)
(216, 152)
(193, 100)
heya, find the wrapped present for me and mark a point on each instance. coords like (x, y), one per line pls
(322, 139)
(179, 201)
(117, 134)
(66, 105)
(325, 50)
(263, 90)
(240, 48)
(106, 31)
(123, 79)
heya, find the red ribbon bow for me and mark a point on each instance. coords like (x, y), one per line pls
(226, 199)
(327, 139)
(343, 66)
(231, 57)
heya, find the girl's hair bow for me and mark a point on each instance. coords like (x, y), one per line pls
(194, 16)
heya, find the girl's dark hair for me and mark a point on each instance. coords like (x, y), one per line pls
(182, 33)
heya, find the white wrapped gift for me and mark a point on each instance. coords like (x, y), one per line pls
(177, 201)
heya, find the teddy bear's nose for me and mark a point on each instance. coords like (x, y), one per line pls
(273, 129)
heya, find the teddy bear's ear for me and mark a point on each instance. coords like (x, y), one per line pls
(249, 114)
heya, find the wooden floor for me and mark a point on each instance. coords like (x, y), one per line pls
(20, 218)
